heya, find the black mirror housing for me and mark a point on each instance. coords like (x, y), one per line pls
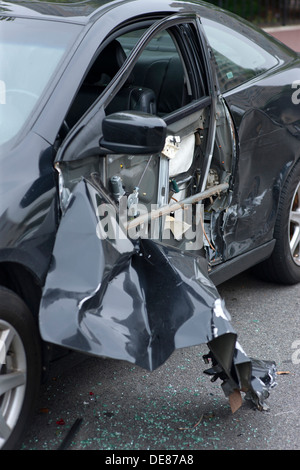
(132, 132)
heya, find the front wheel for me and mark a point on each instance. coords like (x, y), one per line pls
(20, 367)
(284, 264)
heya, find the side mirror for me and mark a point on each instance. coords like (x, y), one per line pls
(133, 133)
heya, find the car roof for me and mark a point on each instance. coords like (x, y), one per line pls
(65, 9)
(89, 10)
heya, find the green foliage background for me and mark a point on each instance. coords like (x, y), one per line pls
(269, 12)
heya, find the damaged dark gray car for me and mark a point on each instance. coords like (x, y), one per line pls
(149, 152)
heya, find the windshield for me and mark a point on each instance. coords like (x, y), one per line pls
(30, 51)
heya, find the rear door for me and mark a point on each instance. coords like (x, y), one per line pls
(257, 90)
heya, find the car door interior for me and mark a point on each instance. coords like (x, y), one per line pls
(160, 73)
(168, 79)
(106, 66)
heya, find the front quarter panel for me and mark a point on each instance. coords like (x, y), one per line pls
(28, 205)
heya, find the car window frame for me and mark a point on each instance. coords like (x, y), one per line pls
(96, 113)
(154, 26)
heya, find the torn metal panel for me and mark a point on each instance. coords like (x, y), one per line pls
(134, 301)
(263, 378)
(255, 377)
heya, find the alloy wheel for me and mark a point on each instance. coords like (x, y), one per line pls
(12, 379)
(294, 226)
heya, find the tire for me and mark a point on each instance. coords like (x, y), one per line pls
(20, 368)
(284, 264)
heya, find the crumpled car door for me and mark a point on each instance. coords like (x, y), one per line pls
(132, 299)
(137, 302)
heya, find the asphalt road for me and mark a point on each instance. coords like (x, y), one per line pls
(117, 406)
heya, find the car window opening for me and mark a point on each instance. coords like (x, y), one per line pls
(158, 84)
(161, 83)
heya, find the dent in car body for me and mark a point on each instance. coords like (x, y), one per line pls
(269, 127)
(138, 301)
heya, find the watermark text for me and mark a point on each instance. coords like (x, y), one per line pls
(296, 94)
(184, 225)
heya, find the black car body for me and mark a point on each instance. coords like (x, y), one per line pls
(149, 152)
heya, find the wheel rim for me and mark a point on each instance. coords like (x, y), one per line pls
(294, 227)
(12, 379)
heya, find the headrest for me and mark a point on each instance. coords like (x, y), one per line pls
(107, 64)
